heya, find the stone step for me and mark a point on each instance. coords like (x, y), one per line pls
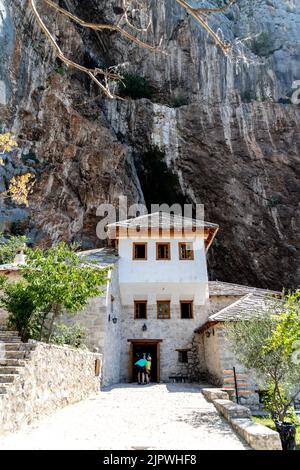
(15, 346)
(10, 339)
(13, 362)
(15, 355)
(9, 332)
(7, 378)
(9, 370)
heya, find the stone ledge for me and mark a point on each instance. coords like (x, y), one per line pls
(231, 410)
(214, 393)
(259, 437)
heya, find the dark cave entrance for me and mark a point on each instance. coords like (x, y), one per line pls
(160, 185)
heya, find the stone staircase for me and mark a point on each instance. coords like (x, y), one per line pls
(13, 357)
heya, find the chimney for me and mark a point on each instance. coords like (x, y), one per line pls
(20, 257)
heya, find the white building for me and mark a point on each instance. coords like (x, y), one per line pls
(159, 301)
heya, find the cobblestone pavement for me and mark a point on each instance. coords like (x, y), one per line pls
(164, 416)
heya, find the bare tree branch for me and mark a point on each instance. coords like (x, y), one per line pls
(199, 15)
(98, 27)
(91, 73)
(111, 74)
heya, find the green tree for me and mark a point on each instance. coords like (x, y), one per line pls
(54, 282)
(270, 346)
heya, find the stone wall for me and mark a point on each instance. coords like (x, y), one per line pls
(101, 333)
(219, 361)
(175, 333)
(54, 377)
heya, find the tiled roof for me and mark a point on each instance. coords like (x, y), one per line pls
(102, 256)
(249, 306)
(163, 220)
(227, 288)
(10, 267)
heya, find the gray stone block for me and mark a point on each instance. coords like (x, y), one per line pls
(231, 410)
(259, 437)
(214, 394)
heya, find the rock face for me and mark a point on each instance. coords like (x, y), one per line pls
(227, 129)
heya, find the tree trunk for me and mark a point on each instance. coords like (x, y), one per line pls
(56, 312)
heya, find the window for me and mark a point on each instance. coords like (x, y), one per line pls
(140, 309)
(140, 251)
(186, 309)
(183, 355)
(186, 251)
(163, 251)
(163, 309)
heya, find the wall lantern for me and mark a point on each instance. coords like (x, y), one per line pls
(114, 320)
(144, 327)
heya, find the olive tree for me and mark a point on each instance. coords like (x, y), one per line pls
(269, 344)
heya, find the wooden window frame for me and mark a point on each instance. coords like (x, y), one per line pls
(133, 251)
(169, 250)
(192, 309)
(179, 250)
(181, 352)
(140, 302)
(168, 302)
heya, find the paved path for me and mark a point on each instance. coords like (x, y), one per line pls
(164, 416)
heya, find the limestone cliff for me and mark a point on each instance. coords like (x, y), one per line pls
(227, 130)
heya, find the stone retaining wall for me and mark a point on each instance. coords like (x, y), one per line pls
(52, 378)
(258, 437)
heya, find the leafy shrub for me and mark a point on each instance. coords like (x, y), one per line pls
(230, 15)
(70, 335)
(20, 306)
(248, 96)
(60, 67)
(274, 201)
(177, 102)
(135, 87)
(284, 101)
(262, 45)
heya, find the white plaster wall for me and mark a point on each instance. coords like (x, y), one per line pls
(152, 279)
(112, 340)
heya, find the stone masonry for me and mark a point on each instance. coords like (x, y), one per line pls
(37, 378)
(175, 333)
